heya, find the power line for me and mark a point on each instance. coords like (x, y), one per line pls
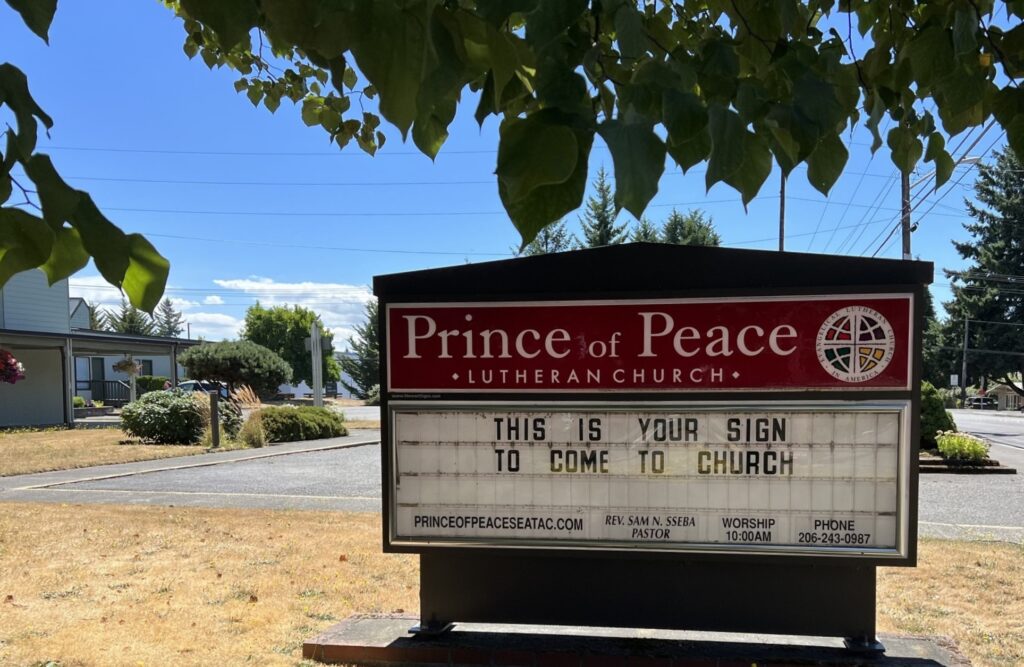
(275, 244)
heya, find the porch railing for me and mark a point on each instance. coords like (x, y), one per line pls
(115, 391)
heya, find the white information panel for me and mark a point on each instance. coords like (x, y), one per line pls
(811, 478)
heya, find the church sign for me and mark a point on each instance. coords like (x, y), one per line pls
(725, 418)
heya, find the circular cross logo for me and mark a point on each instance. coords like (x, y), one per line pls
(855, 344)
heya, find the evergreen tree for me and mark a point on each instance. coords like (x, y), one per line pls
(598, 221)
(988, 291)
(168, 321)
(95, 318)
(128, 320)
(363, 367)
(694, 228)
(553, 238)
(645, 232)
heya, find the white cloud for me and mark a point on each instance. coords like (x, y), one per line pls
(341, 306)
(214, 326)
(95, 290)
(213, 300)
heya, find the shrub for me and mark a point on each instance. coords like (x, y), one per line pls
(98, 404)
(253, 434)
(962, 447)
(934, 417)
(229, 412)
(288, 424)
(164, 417)
(78, 402)
(147, 383)
(237, 362)
(373, 395)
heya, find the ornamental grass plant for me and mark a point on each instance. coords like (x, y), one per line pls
(961, 447)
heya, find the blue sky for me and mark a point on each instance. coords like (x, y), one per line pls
(252, 205)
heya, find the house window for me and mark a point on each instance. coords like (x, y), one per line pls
(147, 366)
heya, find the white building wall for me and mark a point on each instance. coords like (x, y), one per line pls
(38, 399)
(30, 304)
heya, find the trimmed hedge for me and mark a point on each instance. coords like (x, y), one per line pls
(934, 417)
(237, 362)
(286, 424)
(147, 383)
(164, 418)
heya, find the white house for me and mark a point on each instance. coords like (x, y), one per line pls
(49, 334)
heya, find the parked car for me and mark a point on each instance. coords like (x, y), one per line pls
(982, 403)
(205, 386)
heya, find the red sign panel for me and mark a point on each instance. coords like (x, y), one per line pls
(722, 344)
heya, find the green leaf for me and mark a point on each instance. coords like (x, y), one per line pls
(311, 111)
(102, 240)
(738, 156)
(497, 12)
(25, 242)
(630, 32)
(718, 69)
(14, 92)
(550, 20)
(1008, 108)
(906, 148)
(146, 276)
(826, 163)
(639, 157)
(231, 20)
(67, 257)
(393, 57)
(58, 199)
(37, 15)
(965, 28)
(931, 55)
(937, 154)
(692, 151)
(532, 152)
(815, 100)
(683, 115)
(547, 203)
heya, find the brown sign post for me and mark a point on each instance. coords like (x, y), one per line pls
(654, 436)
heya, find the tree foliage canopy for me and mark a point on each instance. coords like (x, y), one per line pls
(736, 84)
(691, 228)
(364, 366)
(284, 330)
(128, 320)
(237, 362)
(598, 221)
(988, 292)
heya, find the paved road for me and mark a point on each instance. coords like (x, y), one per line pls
(979, 506)
(347, 477)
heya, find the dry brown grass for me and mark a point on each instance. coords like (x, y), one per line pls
(111, 585)
(363, 423)
(24, 452)
(971, 591)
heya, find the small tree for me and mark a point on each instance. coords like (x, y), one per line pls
(645, 232)
(167, 320)
(95, 317)
(694, 228)
(598, 221)
(128, 320)
(553, 238)
(237, 363)
(364, 366)
(285, 330)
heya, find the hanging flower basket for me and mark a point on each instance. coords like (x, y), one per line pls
(128, 366)
(11, 370)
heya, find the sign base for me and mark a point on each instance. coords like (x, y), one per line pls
(385, 641)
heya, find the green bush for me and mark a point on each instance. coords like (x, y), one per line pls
(934, 417)
(78, 402)
(237, 363)
(147, 383)
(288, 424)
(962, 447)
(164, 417)
(373, 395)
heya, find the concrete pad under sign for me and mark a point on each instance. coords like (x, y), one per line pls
(365, 640)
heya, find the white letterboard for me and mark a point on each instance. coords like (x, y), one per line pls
(810, 478)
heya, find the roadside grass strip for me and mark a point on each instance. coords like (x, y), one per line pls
(24, 452)
(112, 585)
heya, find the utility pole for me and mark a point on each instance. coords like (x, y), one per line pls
(316, 351)
(782, 214)
(905, 215)
(963, 367)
